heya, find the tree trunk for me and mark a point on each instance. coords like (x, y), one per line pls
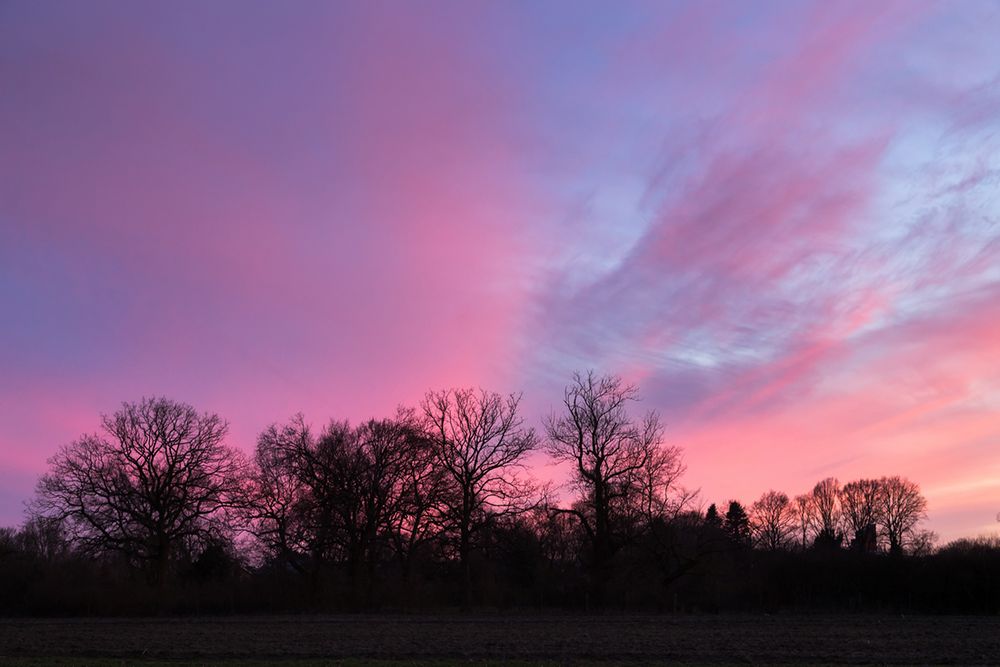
(602, 547)
(463, 556)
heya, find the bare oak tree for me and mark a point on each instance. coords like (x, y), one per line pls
(825, 503)
(388, 449)
(902, 508)
(772, 519)
(343, 497)
(421, 503)
(620, 467)
(861, 504)
(157, 479)
(803, 509)
(277, 497)
(479, 441)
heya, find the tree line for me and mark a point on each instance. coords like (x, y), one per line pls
(435, 506)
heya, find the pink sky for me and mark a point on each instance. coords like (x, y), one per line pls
(779, 219)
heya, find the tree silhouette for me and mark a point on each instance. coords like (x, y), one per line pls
(712, 518)
(737, 525)
(157, 480)
(861, 503)
(344, 497)
(772, 520)
(620, 468)
(278, 497)
(387, 449)
(402, 511)
(479, 441)
(902, 508)
(421, 502)
(825, 504)
(803, 509)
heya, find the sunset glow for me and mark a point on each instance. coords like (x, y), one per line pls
(780, 220)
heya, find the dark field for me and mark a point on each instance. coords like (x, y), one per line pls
(559, 639)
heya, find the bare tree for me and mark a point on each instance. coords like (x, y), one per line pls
(922, 542)
(861, 503)
(308, 495)
(159, 478)
(277, 496)
(388, 450)
(772, 519)
(803, 508)
(479, 441)
(658, 484)
(340, 496)
(42, 538)
(826, 512)
(620, 464)
(558, 536)
(419, 513)
(903, 507)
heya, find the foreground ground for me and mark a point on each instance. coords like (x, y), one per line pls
(491, 639)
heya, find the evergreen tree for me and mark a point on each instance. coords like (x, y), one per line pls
(737, 524)
(712, 518)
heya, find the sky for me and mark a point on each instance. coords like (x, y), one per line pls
(780, 220)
